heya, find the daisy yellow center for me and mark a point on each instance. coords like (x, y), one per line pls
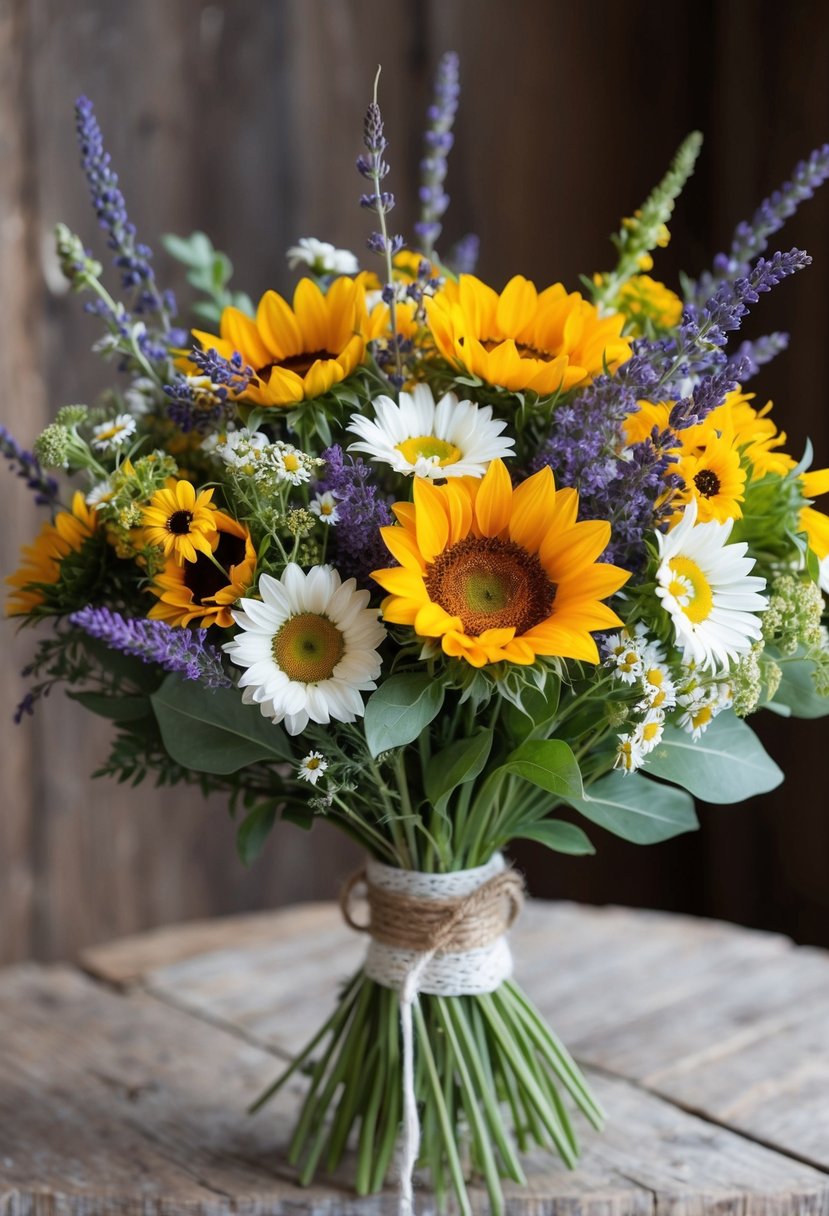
(291, 462)
(308, 647)
(491, 584)
(179, 523)
(313, 763)
(650, 730)
(428, 447)
(110, 432)
(691, 589)
(707, 483)
(702, 717)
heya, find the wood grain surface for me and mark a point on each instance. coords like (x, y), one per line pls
(243, 119)
(122, 1090)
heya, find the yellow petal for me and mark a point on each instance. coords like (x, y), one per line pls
(533, 508)
(402, 545)
(311, 315)
(494, 500)
(459, 504)
(431, 521)
(432, 621)
(278, 327)
(241, 332)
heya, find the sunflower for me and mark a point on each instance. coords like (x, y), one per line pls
(296, 353)
(180, 522)
(522, 338)
(42, 559)
(714, 476)
(201, 590)
(499, 574)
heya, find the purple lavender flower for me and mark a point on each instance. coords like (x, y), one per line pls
(751, 239)
(374, 168)
(45, 488)
(754, 355)
(361, 511)
(131, 257)
(196, 408)
(708, 393)
(463, 256)
(438, 139)
(175, 649)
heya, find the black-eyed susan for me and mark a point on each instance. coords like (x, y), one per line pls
(500, 574)
(180, 522)
(296, 353)
(205, 589)
(41, 564)
(714, 476)
(524, 339)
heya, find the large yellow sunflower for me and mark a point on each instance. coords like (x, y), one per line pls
(198, 590)
(300, 352)
(42, 559)
(499, 574)
(180, 522)
(523, 338)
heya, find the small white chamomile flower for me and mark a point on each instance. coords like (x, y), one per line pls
(113, 434)
(629, 755)
(321, 257)
(324, 506)
(101, 492)
(312, 767)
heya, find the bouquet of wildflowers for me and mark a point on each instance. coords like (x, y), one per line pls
(450, 567)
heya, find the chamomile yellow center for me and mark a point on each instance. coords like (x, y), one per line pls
(491, 584)
(691, 589)
(291, 462)
(308, 647)
(650, 730)
(427, 447)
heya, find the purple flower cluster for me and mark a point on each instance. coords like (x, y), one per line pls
(373, 167)
(193, 408)
(757, 353)
(131, 257)
(438, 139)
(175, 649)
(463, 256)
(27, 466)
(361, 511)
(751, 238)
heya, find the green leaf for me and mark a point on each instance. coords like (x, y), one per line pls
(117, 709)
(462, 761)
(558, 835)
(214, 731)
(253, 831)
(400, 709)
(728, 764)
(194, 250)
(797, 691)
(638, 810)
(539, 707)
(548, 763)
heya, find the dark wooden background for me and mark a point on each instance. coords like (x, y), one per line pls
(243, 119)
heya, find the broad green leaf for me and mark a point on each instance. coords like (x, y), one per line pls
(253, 831)
(728, 764)
(642, 811)
(399, 710)
(539, 708)
(117, 709)
(548, 763)
(797, 690)
(557, 834)
(460, 762)
(214, 731)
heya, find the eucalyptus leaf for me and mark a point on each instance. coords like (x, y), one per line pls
(253, 831)
(400, 709)
(558, 835)
(638, 810)
(797, 692)
(117, 709)
(538, 708)
(549, 764)
(462, 761)
(215, 732)
(728, 764)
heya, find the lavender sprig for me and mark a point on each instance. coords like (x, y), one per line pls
(28, 467)
(463, 256)
(757, 353)
(438, 139)
(708, 393)
(361, 513)
(751, 238)
(175, 649)
(374, 168)
(197, 403)
(131, 256)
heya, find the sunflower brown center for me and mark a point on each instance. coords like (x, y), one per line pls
(491, 584)
(308, 647)
(524, 350)
(179, 523)
(707, 483)
(201, 576)
(301, 364)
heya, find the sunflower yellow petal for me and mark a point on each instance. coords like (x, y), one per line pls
(494, 500)
(431, 521)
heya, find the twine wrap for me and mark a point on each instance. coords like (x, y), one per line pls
(450, 926)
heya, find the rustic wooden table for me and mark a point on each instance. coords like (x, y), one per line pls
(123, 1083)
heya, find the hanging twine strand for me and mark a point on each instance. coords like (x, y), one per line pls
(442, 933)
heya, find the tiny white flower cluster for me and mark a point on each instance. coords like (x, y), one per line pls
(255, 455)
(700, 700)
(321, 257)
(637, 660)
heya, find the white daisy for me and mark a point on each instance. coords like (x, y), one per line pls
(451, 439)
(660, 690)
(240, 449)
(321, 257)
(290, 464)
(648, 732)
(101, 492)
(312, 767)
(114, 433)
(629, 755)
(309, 647)
(705, 585)
(625, 655)
(324, 506)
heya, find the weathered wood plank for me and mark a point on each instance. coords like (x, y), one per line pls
(117, 1105)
